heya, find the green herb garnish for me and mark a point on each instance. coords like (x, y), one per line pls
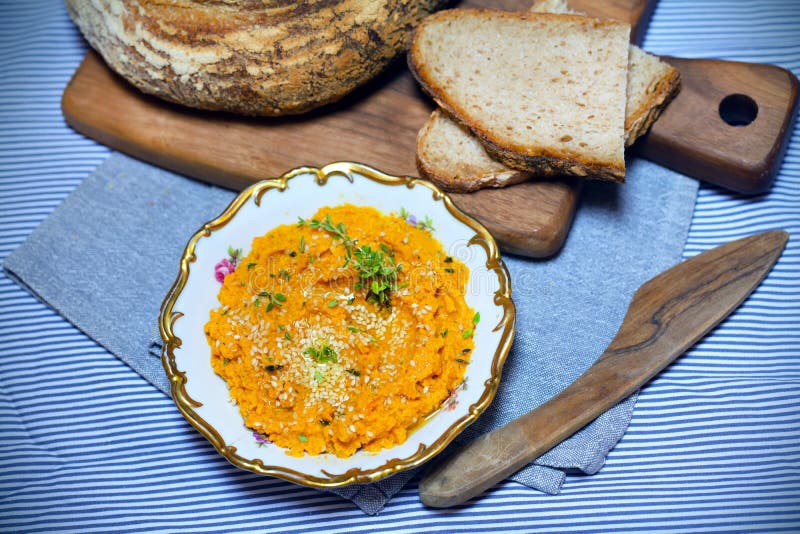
(467, 333)
(275, 299)
(287, 336)
(234, 253)
(319, 377)
(376, 269)
(324, 354)
(444, 333)
(333, 303)
(353, 329)
(272, 368)
(426, 224)
(338, 230)
(377, 272)
(324, 422)
(251, 265)
(448, 259)
(459, 360)
(226, 361)
(466, 351)
(449, 270)
(354, 372)
(476, 318)
(302, 438)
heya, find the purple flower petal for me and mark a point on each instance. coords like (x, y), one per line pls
(260, 438)
(223, 269)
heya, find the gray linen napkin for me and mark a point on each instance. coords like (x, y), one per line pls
(130, 222)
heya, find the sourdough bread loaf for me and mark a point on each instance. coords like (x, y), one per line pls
(543, 92)
(253, 58)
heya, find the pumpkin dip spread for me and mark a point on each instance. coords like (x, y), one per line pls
(343, 331)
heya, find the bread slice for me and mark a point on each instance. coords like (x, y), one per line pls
(552, 6)
(449, 154)
(651, 85)
(651, 82)
(543, 92)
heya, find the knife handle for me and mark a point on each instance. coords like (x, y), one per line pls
(480, 465)
(729, 124)
(499, 453)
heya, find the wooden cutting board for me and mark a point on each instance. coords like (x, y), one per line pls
(378, 123)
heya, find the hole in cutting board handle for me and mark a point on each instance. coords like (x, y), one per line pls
(738, 110)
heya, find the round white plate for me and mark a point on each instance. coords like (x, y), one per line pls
(202, 396)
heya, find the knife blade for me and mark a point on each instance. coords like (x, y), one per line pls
(666, 316)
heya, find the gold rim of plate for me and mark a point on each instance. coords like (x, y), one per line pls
(186, 405)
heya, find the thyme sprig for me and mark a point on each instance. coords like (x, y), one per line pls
(338, 231)
(376, 268)
(377, 271)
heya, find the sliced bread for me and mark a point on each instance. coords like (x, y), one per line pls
(651, 85)
(543, 92)
(651, 82)
(452, 157)
(449, 155)
(552, 6)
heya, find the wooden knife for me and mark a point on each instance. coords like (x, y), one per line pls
(667, 315)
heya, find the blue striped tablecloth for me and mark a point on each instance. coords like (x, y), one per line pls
(86, 445)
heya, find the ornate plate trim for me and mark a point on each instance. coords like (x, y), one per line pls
(186, 405)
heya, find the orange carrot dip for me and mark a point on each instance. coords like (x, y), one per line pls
(342, 332)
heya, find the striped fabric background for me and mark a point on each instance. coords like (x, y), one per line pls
(86, 445)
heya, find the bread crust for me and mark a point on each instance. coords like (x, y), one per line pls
(543, 163)
(246, 56)
(664, 91)
(453, 179)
